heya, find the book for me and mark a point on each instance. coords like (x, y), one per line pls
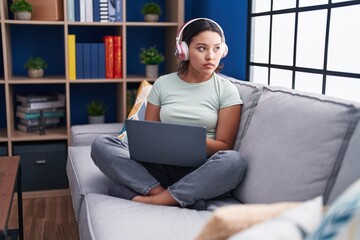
(41, 105)
(29, 110)
(82, 11)
(104, 11)
(79, 61)
(96, 10)
(35, 122)
(117, 57)
(101, 56)
(26, 107)
(77, 10)
(46, 113)
(72, 56)
(89, 11)
(25, 128)
(109, 56)
(71, 10)
(87, 60)
(94, 60)
(111, 6)
(118, 10)
(36, 97)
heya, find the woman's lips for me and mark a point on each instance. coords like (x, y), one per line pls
(209, 65)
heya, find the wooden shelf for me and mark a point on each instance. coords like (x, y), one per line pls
(14, 79)
(115, 24)
(59, 133)
(44, 80)
(105, 80)
(152, 24)
(34, 22)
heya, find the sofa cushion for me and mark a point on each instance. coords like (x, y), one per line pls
(138, 110)
(84, 176)
(293, 224)
(249, 93)
(84, 135)
(293, 146)
(345, 209)
(335, 224)
(115, 218)
(228, 220)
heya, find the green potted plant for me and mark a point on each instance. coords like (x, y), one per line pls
(96, 110)
(35, 67)
(21, 9)
(151, 12)
(151, 57)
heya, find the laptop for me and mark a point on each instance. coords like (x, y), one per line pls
(165, 143)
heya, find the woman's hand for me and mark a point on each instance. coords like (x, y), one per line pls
(226, 131)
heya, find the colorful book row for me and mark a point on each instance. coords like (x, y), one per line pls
(94, 10)
(95, 60)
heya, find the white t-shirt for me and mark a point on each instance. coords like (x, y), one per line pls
(195, 104)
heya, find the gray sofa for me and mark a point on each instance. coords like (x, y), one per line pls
(297, 146)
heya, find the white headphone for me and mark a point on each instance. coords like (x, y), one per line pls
(182, 49)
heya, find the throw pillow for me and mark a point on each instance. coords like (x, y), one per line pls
(340, 220)
(293, 224)
(138, 110)
(228, 220)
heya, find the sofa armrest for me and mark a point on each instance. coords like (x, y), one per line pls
(84, 135)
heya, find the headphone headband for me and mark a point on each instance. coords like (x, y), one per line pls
(181, 47)
(179, 34)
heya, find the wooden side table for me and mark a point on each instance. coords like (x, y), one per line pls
(10, 173)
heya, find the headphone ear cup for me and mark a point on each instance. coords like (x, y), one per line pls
(177, 51)
(182, 51)
(225, 48)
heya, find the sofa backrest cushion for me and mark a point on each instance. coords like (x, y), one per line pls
(84, 135)
(249, 94)
(293, 145)
(350, 167)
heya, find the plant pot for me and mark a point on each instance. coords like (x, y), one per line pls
(96, 119)
(152, 71)
(36, 73)
(22, 15)
(151, 18)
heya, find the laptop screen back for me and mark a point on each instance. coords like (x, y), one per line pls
(165, 143)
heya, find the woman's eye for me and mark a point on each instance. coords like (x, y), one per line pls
(217, 49)
(201, 49)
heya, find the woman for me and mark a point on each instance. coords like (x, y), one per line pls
(202, 98)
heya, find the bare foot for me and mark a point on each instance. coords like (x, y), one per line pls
(163, 198)
(143, 199)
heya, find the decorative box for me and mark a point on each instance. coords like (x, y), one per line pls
(47, 10)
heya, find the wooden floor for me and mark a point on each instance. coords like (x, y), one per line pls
(47, 218)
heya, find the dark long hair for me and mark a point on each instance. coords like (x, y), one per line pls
(191, 31)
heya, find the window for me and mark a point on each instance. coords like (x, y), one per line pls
(308, 45)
